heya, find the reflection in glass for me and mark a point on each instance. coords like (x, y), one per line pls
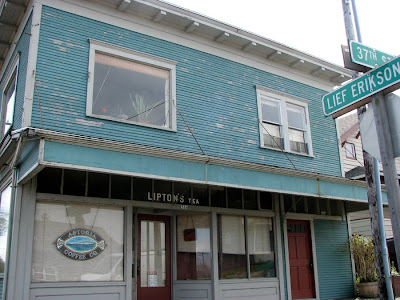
(260, 247)
(54, 219)
(4, 221)
(193, 247)
(131, 91)
(232, 253)
(152, 258)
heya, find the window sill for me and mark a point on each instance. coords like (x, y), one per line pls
(131, 122)
(290, 152)
(274, 279)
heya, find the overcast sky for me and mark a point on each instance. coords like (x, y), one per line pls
(312, 26)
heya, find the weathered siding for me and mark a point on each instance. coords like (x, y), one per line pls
(216, 96)
(22, 48)
(334, 266)
(29, 158)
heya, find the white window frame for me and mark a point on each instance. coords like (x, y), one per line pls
(141, 58)
(9, 76)
(348, 153)
(283, 99)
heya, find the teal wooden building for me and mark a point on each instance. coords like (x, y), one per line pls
(149, 152)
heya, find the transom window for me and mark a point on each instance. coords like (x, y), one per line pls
(284, 123)
(131, 87)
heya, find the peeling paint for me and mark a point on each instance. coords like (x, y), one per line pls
(88, 123)
(64, 96)
(62, 43)
(220, 125)
(239, 129)
(253, 142)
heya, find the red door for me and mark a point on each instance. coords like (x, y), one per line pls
(154, 258)
(300, 259)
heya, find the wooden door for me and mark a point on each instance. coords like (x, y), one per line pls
(154, 258)
(300, 259)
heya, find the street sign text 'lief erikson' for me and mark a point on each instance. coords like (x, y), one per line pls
(378, 79)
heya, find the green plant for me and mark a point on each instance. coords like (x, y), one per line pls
(142, 111)
(362, 249)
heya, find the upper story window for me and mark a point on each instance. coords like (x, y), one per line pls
(350, 150)
(9, 90)
(284, 123)
(5, 201)
(131, 87)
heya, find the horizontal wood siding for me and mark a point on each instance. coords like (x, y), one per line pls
(192, 290)
(249, 290)
(79, 293)
(22, 48)
(216, 96)
(1, 287)
(334, 266)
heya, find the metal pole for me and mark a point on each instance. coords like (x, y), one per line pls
(369, 169)
(381, 219)
(385, 255)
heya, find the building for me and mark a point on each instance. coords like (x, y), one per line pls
(149, 152)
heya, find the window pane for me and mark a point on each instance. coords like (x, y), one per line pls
(266, 200)
(200, 192)
(261, 247)
(142, 189)
(120, 187)
(54, 219)
(5, 202)
(98, 185)
(297, 141)
(234, 198)
(193, 247)
(152, 257)
(9, 108)
(296, 116)
(350, 150)
(131, 91)
(250, 199)
(272, 135)
(232, 255)
(270, 111)
(74, 183)
(218, 196)
(49, 181)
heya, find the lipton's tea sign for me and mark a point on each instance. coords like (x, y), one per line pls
(80, 244)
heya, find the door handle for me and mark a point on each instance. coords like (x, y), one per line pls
(310, 265)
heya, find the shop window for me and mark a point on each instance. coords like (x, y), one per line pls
(218, 196)
(121, 187)
(283, 122)
(193, 247)
(131, 87)
(49, 181)
(74, 183)
(8, 90)
(200, 192)
(266, 200)
(234, 198)
(74, 263)
(350, 150)
(5, 205)
(141, 189)
(234, 261)
(98, 185)
(250, 200)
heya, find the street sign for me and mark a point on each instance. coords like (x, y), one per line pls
(383, 78)
(367, 56)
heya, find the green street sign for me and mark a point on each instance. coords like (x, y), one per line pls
(367, 56)
(383, 78)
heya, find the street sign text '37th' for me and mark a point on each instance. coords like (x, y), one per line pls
(367, 56)
(383, 78)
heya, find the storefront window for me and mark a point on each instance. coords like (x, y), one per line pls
(193, 247)
(261, 247)
(234, 232)
(77, 243)
(232, 249)
(5, 201)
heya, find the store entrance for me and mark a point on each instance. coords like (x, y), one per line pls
(154, 259)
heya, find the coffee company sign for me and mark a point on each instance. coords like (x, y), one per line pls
(80, 244)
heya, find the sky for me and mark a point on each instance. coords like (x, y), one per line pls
(315, 27)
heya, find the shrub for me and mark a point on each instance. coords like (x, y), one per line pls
(362, 249)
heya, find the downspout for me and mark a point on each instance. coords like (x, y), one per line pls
(20, 137)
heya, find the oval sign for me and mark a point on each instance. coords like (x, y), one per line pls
(80, 244)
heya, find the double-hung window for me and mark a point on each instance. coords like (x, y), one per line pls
(284, 123)
(9, 88)
(131, 87)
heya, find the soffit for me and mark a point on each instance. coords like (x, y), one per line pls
(11, 13)
(197, 24)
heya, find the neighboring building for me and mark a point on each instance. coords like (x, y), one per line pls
(353, 168)
(149, 152)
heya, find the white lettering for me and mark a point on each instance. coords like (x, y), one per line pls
(371, 82)
(396, 69)
(353, 90)
(380, 78)
(387, 73)
(360, 86)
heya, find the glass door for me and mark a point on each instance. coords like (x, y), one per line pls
(154, 259)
